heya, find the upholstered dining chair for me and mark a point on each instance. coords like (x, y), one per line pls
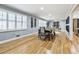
(41, 33)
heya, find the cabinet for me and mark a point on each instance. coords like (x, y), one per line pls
(76, 26)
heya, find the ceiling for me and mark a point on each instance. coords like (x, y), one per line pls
(75, 13)
(46, 11)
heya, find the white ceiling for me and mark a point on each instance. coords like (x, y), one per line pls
(57, 11)
(76, 12)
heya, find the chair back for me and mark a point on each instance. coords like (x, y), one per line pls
(42, 30)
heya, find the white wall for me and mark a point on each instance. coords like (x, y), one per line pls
(71, 27)
(76, 13)
(62, 25)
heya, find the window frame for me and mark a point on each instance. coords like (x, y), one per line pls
(42, 22)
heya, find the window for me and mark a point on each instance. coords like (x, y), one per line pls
(56, 24)
(0, 15)
(3, 21)
(35, 21)
(3, 15)
(24, 22)
(3, 25)
(19, 21)
(11, 21)
(19, 18)
(31, 22)
(42, 23)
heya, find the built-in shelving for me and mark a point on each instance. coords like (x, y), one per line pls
(76, 26)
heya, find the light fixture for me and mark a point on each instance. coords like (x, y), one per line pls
(42, 8)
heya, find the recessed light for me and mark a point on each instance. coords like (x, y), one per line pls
(42, 8)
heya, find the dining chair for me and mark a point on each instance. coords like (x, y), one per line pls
(41, 33)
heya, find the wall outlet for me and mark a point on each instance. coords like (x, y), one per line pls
(17, 35)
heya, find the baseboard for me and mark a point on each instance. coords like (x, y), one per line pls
(5, 41)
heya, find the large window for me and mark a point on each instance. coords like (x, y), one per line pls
(33, 22)
(19, 22)
(3, 22)
(12, 21)
(42, 23)
(24, 26)
(56, 24)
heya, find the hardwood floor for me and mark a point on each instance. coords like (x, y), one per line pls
(75, 42)
(33, 45)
